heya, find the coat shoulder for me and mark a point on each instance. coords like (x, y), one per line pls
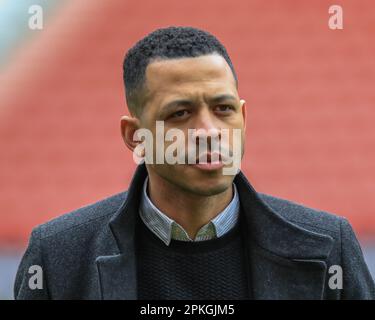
(306, 217)
(90, 214)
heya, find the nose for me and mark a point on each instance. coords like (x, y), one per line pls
(205, 128)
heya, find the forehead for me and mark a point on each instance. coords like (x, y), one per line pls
(179, 75)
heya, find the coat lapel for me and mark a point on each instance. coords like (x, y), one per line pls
(285, 260)
(117, 272)
(117, 277)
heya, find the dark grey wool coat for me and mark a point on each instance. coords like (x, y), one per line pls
(293, 250)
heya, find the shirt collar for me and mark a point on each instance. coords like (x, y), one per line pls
(167, 229)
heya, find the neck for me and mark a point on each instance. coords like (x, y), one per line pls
(189, 210)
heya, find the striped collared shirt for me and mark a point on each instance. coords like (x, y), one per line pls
(167, 229)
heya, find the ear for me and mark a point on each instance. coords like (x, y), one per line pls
(129, 125)
(243, 110)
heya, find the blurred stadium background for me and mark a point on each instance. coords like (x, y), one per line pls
(309, 90)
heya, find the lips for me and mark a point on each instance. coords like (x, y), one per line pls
(208, 157)
(209, 162)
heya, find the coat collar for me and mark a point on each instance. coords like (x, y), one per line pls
(275, 241)
(271, 231)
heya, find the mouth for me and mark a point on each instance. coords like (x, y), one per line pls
(209, 162)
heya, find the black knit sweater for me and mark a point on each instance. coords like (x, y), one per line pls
(210, 269)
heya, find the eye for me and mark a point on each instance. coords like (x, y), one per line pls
(180, 114)
(224, 108)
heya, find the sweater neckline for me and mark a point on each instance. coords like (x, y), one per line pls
(190, 247)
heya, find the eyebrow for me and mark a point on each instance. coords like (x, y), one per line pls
(189, 103)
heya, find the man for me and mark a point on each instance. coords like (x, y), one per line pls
(188, 231)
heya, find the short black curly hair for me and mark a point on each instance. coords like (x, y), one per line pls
(165, 43)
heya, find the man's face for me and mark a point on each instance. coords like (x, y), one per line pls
(207, 98)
